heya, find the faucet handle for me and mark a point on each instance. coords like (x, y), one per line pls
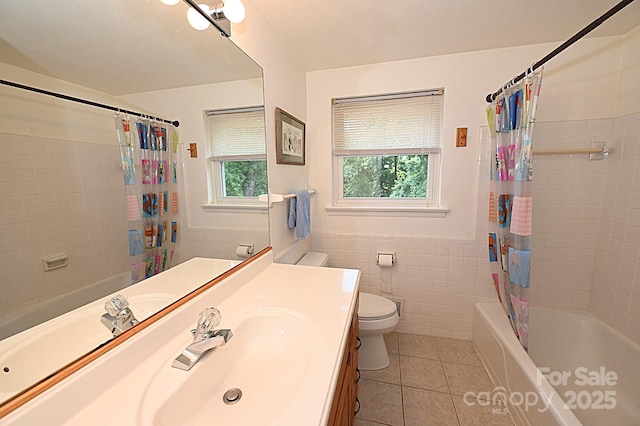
(208, 320)
(116, 304)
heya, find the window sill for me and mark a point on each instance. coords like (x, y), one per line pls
(437, 212)
(235, 208)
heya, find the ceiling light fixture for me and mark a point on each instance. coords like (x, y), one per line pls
(195, 18)
(170, 2)
(221, 16)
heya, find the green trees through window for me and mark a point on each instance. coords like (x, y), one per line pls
(244, 178)
(393, 176)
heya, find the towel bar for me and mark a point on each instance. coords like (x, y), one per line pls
(279, 198)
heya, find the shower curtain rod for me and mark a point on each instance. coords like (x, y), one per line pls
(586, 30)
(176, 123)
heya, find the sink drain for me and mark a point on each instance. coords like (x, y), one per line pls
(232, 396)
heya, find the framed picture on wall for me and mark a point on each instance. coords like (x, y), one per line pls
(290, 142)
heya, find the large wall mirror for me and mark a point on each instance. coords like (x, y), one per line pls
(68, 225)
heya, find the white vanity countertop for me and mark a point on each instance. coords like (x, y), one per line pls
(119, 387)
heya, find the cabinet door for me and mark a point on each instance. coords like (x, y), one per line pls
(344, 399)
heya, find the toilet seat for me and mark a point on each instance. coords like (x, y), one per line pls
(373, 307)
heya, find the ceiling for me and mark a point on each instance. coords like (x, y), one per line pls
(113, 46)
(338, 33)
(117, 46)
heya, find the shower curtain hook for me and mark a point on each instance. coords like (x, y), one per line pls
(530, 70)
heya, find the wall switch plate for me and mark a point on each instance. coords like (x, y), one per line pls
(193, 150)
(461, 136)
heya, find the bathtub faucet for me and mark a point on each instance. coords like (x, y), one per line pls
(205, 338)
(119, 316)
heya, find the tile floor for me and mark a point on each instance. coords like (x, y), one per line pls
(425, 385)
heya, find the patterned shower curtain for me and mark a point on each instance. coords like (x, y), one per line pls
(511, 118)
(149, 166)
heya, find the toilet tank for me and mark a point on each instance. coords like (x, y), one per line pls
(314, 258)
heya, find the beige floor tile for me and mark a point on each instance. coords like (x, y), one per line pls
(391, 340)
(467, 378)
(480, 413)
(391, 374)
(426, 408)
(417, 345)
(380, 402)
(423, 373)
(460, 351)
(360, 422)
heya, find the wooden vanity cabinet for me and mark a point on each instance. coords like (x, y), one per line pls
(345, 403)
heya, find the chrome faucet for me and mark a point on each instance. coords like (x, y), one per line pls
(119, 316)
(205, 338)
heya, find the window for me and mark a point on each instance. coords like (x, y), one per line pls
(386, 149)
(236, 153)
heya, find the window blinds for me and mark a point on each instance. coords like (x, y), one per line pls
(236, 135)
(402, 124)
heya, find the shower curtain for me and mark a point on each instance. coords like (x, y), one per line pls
(511, 117)
(149, 168)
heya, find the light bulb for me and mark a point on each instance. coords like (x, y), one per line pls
(170, 2)
(234, 11)
(196, 20)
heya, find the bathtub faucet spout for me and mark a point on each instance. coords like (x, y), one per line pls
(119, 316)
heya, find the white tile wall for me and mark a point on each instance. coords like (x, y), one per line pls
(440, 279)
(615, 291)
(217, 243)
(568, 195)
(58, 197)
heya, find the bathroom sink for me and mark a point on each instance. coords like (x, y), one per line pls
(269, 359)
(34, 354)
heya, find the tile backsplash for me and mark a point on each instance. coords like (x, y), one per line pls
(439, 279)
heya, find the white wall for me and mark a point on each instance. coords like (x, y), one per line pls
(32, 114)
(577, 85)
(629, 93)
(284, 87)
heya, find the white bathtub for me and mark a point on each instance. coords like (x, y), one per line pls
(594, 368)
(58, 305)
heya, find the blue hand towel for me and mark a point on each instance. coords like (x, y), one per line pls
(300, 214)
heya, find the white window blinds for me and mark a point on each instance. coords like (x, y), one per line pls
(408, 123)
(236, 135)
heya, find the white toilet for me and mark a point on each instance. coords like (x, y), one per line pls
(377, 316)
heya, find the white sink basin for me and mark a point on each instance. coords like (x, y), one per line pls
(34, 354)
(270, 359)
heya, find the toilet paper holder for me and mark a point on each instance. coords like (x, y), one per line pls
(244, 250)
(385, 254)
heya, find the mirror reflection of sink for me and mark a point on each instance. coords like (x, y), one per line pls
(31, 356)
(269, 358)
